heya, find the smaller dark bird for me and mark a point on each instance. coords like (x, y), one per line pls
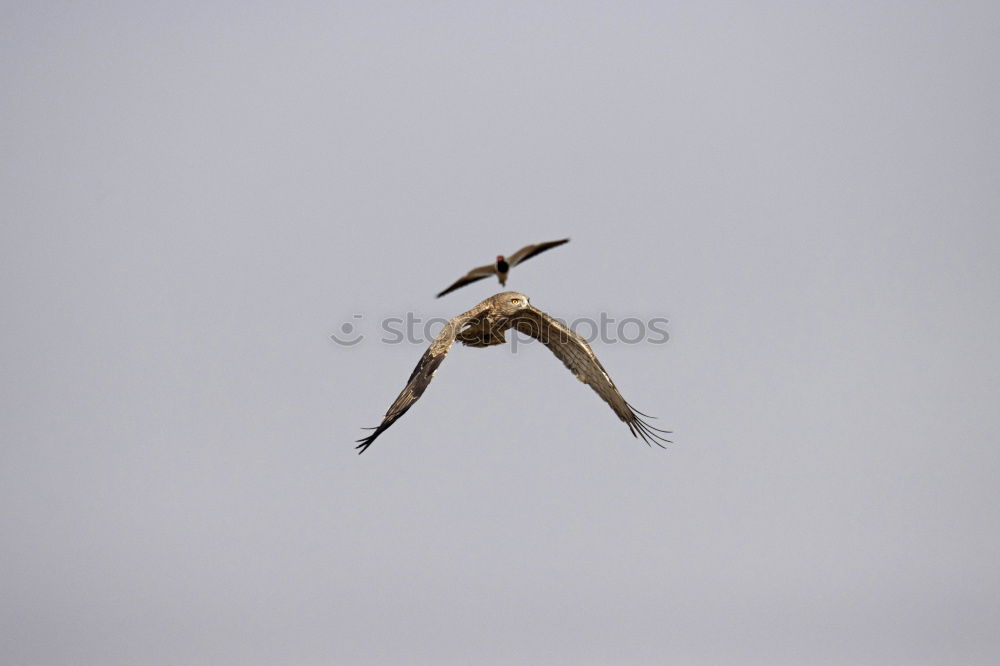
(502, 265)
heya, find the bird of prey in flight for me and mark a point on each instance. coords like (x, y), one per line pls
(483, 326)
(502, 265)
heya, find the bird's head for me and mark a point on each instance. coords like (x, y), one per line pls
(510, 302)
(500, 258)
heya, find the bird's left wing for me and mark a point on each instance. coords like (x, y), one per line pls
(528, 251)
(577, 355)
(421, 376)
(477, 273)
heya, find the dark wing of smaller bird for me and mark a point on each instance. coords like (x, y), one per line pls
(471, 276)
(419, 379)
(528, 251)
(577, 355)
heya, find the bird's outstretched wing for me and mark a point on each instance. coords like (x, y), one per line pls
(471, 276)
(577, 355)
(528, 251)
(421, 376)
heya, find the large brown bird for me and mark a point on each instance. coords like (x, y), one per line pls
(502, 265)
(483, 326)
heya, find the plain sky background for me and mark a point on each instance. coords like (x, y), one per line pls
(194, 196)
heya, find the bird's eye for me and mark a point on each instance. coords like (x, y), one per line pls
(515, 301)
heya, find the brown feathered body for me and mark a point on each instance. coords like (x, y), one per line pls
(484, 326)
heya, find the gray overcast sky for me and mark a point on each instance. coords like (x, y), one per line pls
(194, 196)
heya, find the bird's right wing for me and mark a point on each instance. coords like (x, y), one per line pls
(471, 276)
(528, 251)
(570, 348)
(421, 376)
